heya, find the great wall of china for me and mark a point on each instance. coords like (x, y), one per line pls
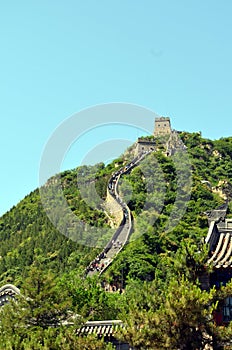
(119, 209)
(219, 236)
(115, 205)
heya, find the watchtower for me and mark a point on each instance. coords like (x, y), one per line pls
(162, 126)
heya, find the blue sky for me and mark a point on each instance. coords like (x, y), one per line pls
(60, 57)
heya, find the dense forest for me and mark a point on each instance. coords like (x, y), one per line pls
(160, 299)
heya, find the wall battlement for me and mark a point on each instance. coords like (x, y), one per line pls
(162, 126)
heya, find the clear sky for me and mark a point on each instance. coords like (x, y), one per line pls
(59, 57)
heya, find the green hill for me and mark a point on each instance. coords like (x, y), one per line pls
(27, 234)
(158, 296)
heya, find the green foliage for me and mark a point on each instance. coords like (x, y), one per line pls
(163, 306)
(176, 317)
(153, 200)
(26, 232)
(37, 319)
(54, 339)
(172, 311)
(88, 297)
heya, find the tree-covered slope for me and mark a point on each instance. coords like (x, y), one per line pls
(211, 164)
(162, 305)
(27, 234)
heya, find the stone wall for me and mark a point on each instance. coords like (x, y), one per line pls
(113, 208)
(144, 145)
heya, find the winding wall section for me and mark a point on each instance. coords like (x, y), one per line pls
(121, 211)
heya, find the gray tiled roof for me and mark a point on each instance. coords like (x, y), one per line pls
(222, 256)
(105, 328)
(7, 292)
(219, 239)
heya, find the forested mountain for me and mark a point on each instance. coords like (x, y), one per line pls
(155, 258)
(211, 177)
(26, 233)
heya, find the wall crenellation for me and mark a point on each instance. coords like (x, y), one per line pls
(162, 126)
